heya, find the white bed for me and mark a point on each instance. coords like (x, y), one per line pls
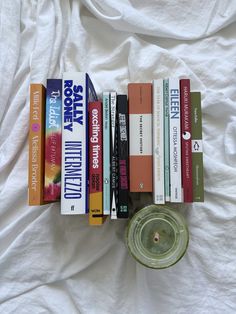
(55, 264)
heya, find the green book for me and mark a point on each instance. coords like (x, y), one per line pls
(197, 155)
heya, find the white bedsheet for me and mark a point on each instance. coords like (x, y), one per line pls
(55, 264)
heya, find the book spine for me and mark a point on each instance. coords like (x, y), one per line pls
(158, 143)
(175, 143)
(52, 178)
(95, 164)
(113, 110)
(166, 139)
(106, 154)
(90, 97)
(123, 157)
(140, 137)
(77, 91)
(36, 144)
(197, 151)
(186, 148)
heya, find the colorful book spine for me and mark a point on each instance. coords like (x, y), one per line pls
(52, 178)
(186, 147)
(95, 164)
(140, 137)
(78, 90)
(175, 141)
(113, 111)
(36, 144)
(166, 139)
(197, 152)
(158, 143)
(123, 157)
(106, 154)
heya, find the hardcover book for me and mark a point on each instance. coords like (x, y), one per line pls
(140, 137)
(78, 90)
(95, 163)
(158, 143)
(36, 144)
(175, 141)
(197, 152)
(106, 154)
(123, 157)
(52, 179)
(186, 147)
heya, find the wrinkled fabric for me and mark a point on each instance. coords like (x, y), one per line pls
(56, 264)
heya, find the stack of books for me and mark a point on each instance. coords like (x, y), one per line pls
(91, 153)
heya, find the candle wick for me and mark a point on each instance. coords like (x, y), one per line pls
(156, 237)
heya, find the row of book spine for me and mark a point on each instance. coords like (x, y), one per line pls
(80, 156)
(89, 153)
(108, 156)
(166, 153)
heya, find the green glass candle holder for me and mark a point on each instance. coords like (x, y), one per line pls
(157, 236)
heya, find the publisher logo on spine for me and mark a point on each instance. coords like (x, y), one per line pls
(35, 127)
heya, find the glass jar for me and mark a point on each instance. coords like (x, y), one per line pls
(157, 236)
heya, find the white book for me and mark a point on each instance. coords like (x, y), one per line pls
(106, 154)
(166, 139)
(158, 143)
(113, 108)
(77, 90)
(175, 141)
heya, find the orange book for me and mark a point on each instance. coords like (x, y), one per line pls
(95, 164)
(140, 137)
(36, 144)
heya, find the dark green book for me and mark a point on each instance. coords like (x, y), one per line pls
(197, 154)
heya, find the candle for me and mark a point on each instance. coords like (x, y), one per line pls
(157, 236)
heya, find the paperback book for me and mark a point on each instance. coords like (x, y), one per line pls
(175, 142)
(123, 157)
(158, 143)
(113, 147)
(106, 154)
(186, 147)
(140, 137)
(166, 139)
(95, 164)
(197, 151)
(36, 144)
(52, 178)
(78, 91)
